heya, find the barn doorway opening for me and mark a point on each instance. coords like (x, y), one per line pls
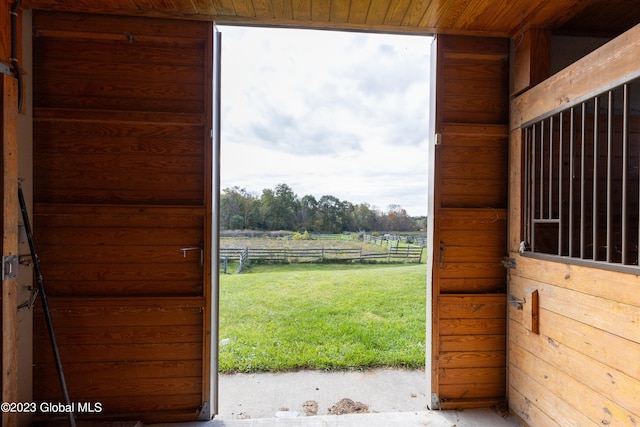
(323, 134)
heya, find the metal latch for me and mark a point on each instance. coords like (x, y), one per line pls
(516, 302)
(9, 267)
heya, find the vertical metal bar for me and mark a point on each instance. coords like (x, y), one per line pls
(609, 176)
(594, 222)
(560, 146)
(542, 170)
(571, 177)
(550, 196)
(625, 165)
(526, 189)
(583, 183)
(533, 187)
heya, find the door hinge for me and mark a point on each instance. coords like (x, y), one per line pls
(9, 267)
(509, 262)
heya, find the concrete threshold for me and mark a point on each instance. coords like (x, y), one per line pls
(381, 398)
(466, 418)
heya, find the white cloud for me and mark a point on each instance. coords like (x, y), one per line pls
(333, 113)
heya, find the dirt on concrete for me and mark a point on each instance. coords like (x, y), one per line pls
(348, 406)
(310, 408)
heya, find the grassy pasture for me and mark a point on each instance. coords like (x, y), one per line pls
(323, 316)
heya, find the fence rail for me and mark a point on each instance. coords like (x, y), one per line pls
(285, 255)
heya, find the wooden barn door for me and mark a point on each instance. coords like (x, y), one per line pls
(123, 213)
(470, 228)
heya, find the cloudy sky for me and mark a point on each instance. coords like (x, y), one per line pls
(328, 113)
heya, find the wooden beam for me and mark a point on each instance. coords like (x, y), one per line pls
(532, 59)
(610, 65)
(9, 179)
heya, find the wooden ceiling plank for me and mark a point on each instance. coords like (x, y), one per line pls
(224, 7)
(244, 8)
(377, 12)
(554, 14)
(397, 11)
(471, 17)
(453, 13)
(358, 11)
(320, 9)
(434, 13)
(263, 8)
(339, 11)
(515, 17)
(282, 9)
(416, 12)
(500, 18)
(301, 10)
(204, 7)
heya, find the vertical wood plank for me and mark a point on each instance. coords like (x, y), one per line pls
(5, 32)
(10, 211)
(532, 59)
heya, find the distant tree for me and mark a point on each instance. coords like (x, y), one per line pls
(308, 213)
(279, 208)
(237, 222)
(364, 217)
(398, 220)
(328, 216)
(334, 215)
(237, 202)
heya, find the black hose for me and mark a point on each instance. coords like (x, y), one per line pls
(14, 49)
(45, 303)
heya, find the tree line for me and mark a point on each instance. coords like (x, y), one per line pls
(281, 209)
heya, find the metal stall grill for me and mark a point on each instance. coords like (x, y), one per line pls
(582, 182)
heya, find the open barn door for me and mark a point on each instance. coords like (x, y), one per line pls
(125, 214)
(469, 238)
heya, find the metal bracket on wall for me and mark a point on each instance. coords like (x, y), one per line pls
(9, 267)
(516, 302)
(5, 69)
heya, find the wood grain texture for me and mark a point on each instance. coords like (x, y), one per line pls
(470, 223)
(498, 18)
(10, 210)
(121, 160)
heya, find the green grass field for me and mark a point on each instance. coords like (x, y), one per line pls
(319, 316)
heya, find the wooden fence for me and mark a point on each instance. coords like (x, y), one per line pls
(394, 239)
(286, 255)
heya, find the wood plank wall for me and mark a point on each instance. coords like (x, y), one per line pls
(470, 222)
(122, 120)
(9, 213)
(582, 368)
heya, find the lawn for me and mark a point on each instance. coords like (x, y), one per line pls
(319, 316)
